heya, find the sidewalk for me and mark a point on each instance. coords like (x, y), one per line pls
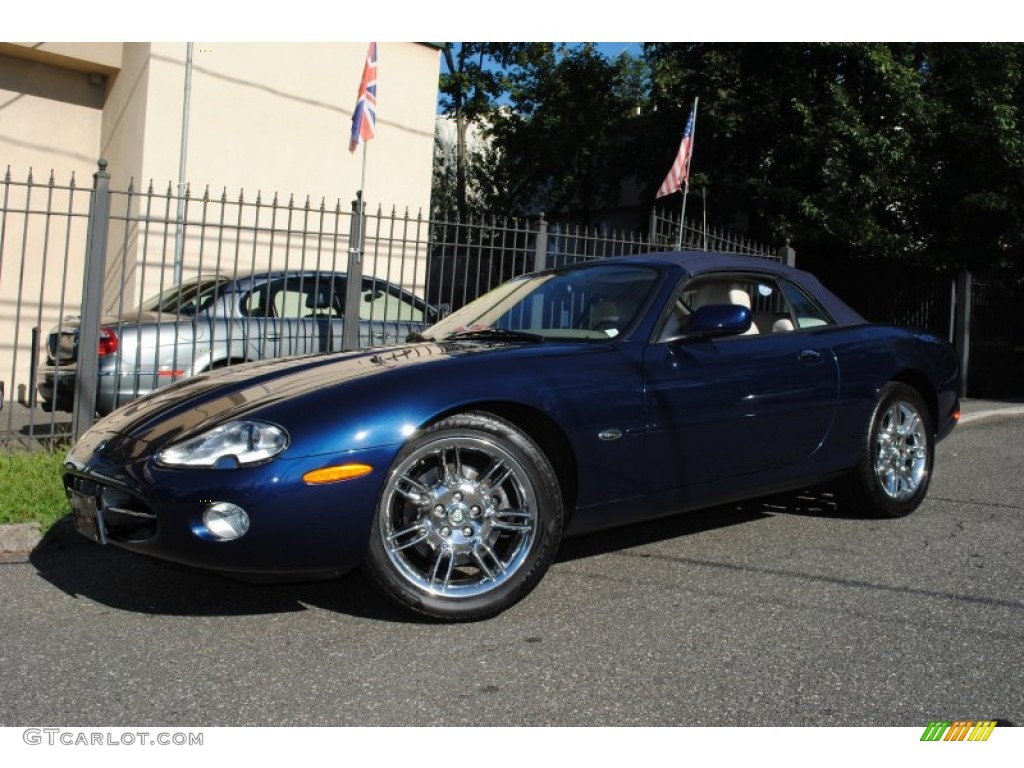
(975, 410)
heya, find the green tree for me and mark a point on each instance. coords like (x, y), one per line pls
(474, 77)
(973, 211)
(909, 150)
(808, 142)
(560, 145)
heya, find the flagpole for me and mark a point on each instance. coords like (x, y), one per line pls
(364, 119)
(704, 212)
(686, 183)
(682, 216)
(362, 204)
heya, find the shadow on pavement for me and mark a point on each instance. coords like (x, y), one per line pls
(824, 501)
(131, 582)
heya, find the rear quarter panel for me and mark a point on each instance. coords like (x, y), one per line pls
(871, 356)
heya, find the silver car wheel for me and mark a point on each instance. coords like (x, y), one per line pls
(901, 450)
(458, 516)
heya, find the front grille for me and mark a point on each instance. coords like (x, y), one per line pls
(125, 516)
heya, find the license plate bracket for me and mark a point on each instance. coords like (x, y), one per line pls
(88, 516)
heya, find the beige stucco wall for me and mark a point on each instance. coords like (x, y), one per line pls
(265, 118)
(270, 119)
(42, 129)
(276, 117)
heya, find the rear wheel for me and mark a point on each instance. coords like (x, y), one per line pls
(896, 455)
(468, 522)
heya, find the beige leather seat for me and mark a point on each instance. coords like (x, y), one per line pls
(771, 322)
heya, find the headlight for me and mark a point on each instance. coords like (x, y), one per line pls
(237, 443)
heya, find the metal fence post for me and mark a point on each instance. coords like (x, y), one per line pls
(962, 327)
(87, 372)
(540, 251)
(787, 255)
(354, 277)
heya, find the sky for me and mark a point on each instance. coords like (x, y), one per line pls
(611, 50)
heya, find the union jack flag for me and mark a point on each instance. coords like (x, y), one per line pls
(364, 119)
(679, 174)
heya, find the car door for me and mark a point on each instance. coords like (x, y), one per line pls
(294, 315)
(387, 314)
(728, 407)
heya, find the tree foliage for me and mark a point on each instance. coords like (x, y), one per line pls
(897, 150)
(912, 151)
(474, 77)
(560, 145)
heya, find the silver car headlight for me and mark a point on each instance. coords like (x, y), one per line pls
(237, 443)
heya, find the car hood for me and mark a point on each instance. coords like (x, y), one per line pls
(201, 402)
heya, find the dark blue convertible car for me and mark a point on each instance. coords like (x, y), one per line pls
(450, 467)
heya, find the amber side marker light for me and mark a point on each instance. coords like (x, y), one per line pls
(337, 474)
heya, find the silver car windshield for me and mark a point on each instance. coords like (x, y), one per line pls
(597, 302)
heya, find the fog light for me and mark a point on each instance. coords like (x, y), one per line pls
(224, 521)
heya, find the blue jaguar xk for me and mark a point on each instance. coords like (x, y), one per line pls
(449, 468)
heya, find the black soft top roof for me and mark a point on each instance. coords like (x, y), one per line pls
(700, 262)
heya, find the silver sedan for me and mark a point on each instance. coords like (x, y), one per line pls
(216, 321)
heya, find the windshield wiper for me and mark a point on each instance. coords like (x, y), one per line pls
(495, 334)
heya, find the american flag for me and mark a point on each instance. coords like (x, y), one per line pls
(364, 119)
(680, 171)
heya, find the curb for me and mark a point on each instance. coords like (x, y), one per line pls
(19, 538)
(992, 413)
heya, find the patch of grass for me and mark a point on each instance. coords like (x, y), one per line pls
(31, 488)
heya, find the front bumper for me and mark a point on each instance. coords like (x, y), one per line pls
(294, 527)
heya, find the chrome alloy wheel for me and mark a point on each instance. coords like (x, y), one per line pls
(458, 517)
(901, 450)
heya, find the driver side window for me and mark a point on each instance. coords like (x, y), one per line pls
(761, 294)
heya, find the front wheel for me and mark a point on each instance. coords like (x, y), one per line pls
(897, 453)
(468, 522)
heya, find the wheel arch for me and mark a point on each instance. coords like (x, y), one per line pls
(543, 430)
(919, 382)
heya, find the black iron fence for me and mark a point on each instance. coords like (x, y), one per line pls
(996, 339)
(981, 314)
(78, 264)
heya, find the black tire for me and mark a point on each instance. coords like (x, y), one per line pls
(469, 520)
(897, 452)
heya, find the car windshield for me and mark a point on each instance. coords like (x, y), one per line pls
(189, 298)
(596, 302)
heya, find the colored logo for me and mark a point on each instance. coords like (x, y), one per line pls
(961, 730)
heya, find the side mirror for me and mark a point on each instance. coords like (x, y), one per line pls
(714, 321)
